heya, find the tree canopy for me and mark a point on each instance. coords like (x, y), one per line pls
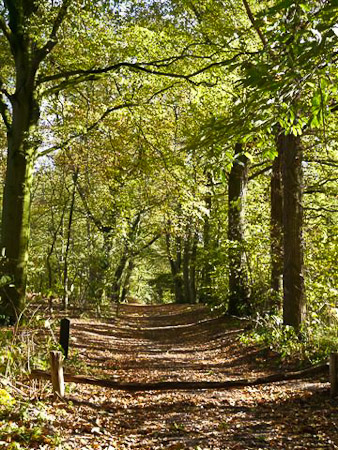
(177, 151)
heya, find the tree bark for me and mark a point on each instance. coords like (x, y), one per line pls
(238, 285)
(276, 225)
(17, 190)
(21, 119)
(294, 302)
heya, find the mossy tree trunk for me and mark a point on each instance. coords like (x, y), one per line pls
(16, 209)
(15, 228)
(20, 113)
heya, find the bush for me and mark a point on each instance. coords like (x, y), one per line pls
(314, 343)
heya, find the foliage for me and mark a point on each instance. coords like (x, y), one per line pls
(24, 425)
(314, 344)
(146, 108)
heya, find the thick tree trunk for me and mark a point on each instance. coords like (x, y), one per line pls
(17, 192)
(238, 285)
(20, 118)
(16, 227)
(293, 281)
(276, 226)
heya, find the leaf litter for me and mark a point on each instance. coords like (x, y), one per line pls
(184, 343)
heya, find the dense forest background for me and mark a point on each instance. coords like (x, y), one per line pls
(171, 151)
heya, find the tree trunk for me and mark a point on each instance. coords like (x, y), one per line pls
(175, 266)
(126, 284)
(178, 287)
(116, 287)
(189, 266)
(21, 119)
(206, 294)
(276, 226)
(65, 299)
(238, 285)
(192, 280)
(127, 251)
(17, 190)
(51, 249)
(294, 303)
(186, 266)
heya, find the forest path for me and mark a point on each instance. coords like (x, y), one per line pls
(185, 343)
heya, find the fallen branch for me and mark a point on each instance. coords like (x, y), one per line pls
(187, 385)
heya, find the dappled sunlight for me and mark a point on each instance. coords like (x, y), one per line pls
(136, 347)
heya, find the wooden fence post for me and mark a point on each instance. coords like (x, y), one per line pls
(64, 336)
(334, 374)
(56, 359)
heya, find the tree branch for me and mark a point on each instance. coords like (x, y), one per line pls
(325, 162)
(81, 75)
(42, 52)
(95, 220)
(254, 23)
(322, 208)
(4, 112)
(259, 172)
(145, 246)
(102, 117)
(5, 29)
(90, 128)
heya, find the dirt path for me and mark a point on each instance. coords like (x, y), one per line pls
(162, 343)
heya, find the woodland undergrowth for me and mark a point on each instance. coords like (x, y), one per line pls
(313, 344)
